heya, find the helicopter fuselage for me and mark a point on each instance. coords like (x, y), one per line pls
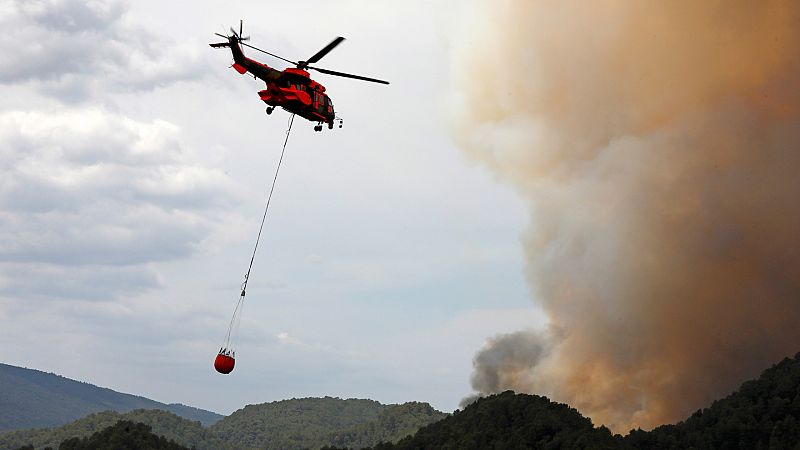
(291, 89)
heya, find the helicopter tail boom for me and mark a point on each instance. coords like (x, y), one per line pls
(243, 64)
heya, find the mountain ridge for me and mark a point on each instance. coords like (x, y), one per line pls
(307, 423)
(762, 414)
(31, 398)
(314, 422)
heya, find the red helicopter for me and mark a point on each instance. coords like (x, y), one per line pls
(292, 89)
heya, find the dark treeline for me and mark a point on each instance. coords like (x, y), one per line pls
(288, 424)
(124, 435)
(316, 422)
(764, 414)
(186, 432)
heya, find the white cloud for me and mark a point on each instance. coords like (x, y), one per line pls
(92, 188)
(57, 281)
(75, 49)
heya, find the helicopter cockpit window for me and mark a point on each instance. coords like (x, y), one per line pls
(320, 100)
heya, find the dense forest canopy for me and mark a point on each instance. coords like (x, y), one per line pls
(294, 424)
(124, 435)
(762, 414)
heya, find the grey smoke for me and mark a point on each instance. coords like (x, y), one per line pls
(657, 145)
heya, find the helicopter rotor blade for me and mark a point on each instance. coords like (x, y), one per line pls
(270, 54)
(317, 56)
(348, 75)
(301, 64)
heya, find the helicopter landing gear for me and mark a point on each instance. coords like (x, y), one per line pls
(270, 109)
(331, 124)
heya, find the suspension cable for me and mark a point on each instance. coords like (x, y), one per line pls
(233, 327)
(266, 208)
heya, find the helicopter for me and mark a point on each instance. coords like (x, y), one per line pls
(292, 88)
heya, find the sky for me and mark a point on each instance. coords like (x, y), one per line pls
(135, 165)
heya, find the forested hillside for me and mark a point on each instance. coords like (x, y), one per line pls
(123, 435)
(162, 423)
(315, 422)
(762, 414)
(510, 421)
(290, 424)
(391, 425)
(34, 399)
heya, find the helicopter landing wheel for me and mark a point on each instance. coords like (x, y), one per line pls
(317, 127)
(270, 109)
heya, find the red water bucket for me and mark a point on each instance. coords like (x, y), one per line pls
(224, 363)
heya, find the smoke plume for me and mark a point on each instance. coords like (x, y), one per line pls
(659, 146)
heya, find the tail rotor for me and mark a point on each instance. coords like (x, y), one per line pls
(237, 36)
